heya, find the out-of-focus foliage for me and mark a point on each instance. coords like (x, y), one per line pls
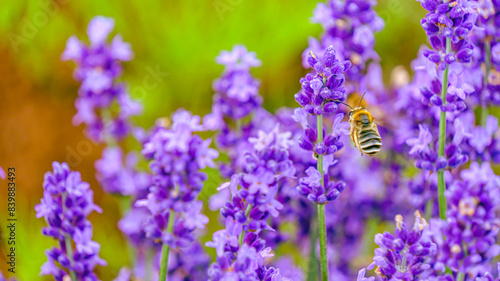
(175, 43)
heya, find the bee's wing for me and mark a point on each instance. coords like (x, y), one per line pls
(385, 125)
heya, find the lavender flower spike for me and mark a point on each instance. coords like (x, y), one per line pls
(240, 248)
(402, 256)
(98, 69)
(448, 24)
(177, 157)
(66, 203)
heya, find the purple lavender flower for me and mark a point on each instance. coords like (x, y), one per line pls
(177, 158)
(236, 90)
(467, 240)
(240, 250)
(319, 95)
(483, 71)
(236, 98)
(448, 20)
(66, 203)
(402, 256)
(349, 26)
(98, 68)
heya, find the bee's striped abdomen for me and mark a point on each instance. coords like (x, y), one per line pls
(369, 141)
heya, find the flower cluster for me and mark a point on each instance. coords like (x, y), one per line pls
(457, 92)
(237, 92)
(319, 95)
(451, 20)
(235, 101)
(240, 250)
(177, 157)
(66, 203)
(448, 25)
(467, 240)
(320, 90)
(486, 56)
(98, 68)
(424, 149)
(349, 26)
(402, 256)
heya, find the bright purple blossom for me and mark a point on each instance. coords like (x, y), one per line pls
(247, 213)
(467, 240)
(66, 203)
(177, 158)
(98, 68)
(451, 20)
(402, 255)
(237, 99)
(321, 91)
(350, 27)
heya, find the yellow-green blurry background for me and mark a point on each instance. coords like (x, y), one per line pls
(180, 38)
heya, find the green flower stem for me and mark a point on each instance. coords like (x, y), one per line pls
(460, 276)
(321, 210)
(69, 252)
(442, 139)
(242, 234)
(487, 59)
(312, 273)
(166, 249)
(323, 242)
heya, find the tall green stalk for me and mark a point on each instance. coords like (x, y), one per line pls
(321, 210)
(487, 60)
(312, 273)
(69, 252)
(442, 139)
(166, 249)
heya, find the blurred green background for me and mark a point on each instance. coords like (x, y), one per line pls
(178, 38)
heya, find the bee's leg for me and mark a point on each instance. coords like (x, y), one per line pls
(352, 137)
(356, 140)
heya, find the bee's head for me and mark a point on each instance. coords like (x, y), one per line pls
(361, 115)
(355, 110)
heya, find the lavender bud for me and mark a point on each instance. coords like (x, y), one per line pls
(330, 108)
(320, 148)
(311, 134)
(305, 144)
(436, 100)
(450, 58)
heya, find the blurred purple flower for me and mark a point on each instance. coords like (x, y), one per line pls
(66, 203)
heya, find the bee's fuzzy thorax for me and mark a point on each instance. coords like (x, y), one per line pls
(358, 111)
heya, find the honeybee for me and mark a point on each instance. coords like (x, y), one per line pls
(364, 132)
